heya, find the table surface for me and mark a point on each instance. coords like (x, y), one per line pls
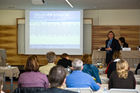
(124, 54)
(10, 71)
(132, 57)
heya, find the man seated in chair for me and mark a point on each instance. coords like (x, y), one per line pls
(56, 78)
(79, 79)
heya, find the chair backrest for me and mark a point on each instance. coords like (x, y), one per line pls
(29, 90)
(80, 90)
(123, 91)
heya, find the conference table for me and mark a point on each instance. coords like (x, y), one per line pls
(132, 57)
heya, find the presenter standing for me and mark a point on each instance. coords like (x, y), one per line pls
(111, 45)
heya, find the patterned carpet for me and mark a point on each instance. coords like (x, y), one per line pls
(7, 86)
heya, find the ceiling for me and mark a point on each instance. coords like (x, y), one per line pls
(78, 4)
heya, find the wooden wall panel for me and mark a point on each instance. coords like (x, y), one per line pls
(8, 41)
(99, 35)
(131, 34)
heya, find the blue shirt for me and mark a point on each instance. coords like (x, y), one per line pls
(109, 43)
(79, 79)
(93, 71)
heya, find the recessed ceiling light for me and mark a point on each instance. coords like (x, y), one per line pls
(69, 3)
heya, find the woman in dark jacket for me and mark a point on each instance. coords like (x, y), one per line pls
(112, 45)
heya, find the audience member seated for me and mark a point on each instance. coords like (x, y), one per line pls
(79, 79)
(112, 65)
(56, 78)
(64, 61)
(90, 68)
(51, 58)
(32, 77)
(123, 43)
(1, 85)
(138, 68)
(122, 77)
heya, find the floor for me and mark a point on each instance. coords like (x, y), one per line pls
(7, 85)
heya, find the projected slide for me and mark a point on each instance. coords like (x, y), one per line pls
(58, 31)
(55, 29)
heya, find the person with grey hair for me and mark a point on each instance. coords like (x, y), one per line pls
(51, 58)
(56, 78)
(79, 79)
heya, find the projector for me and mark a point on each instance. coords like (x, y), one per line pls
(38, 2)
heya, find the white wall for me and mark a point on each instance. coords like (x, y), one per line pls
(100, 17)
(114, 17)
(8, 17)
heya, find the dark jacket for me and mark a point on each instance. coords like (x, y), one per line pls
(116, 82)
(125, 45)
(64, 62)
(115, 47)
(111, 68)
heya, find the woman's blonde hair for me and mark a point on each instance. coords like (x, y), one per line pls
(122, 69)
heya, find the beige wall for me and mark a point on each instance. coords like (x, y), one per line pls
(100, 17)
(8, 17)
(114, 17)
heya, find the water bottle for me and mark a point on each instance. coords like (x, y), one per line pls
(105, 90)
(78, 90)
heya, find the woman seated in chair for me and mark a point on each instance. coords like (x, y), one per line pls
(90, 68)
(32, 77)
(122, 77)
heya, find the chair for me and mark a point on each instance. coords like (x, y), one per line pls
(80, 90)
(123, 91)
(29, 90)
